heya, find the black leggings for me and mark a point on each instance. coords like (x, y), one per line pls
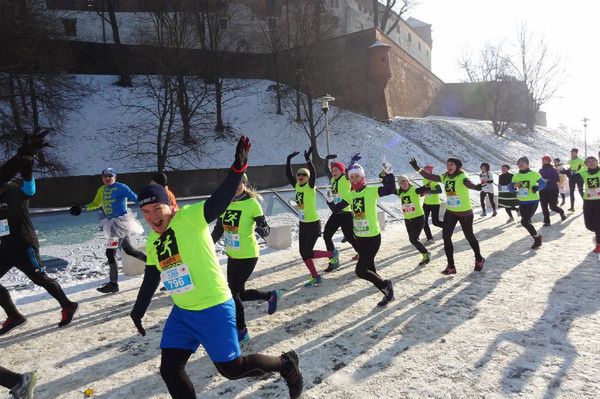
(527, 212)
(575, 180)
(482, 196)
(129, 249)
(414, 228)
(8, 379)
(29, 262)
(337, 220)
(308, 236)
(466, 222)
(434, 210)
(172, 370)
(591, 217)
(549, 199)
(238, 272)
(365, 267)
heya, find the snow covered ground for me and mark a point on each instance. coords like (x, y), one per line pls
(86, 145)
(526, 327)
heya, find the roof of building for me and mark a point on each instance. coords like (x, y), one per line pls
(378, 43)
(416, 22)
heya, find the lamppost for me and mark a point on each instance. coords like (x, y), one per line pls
(585, 121)
(325, 108)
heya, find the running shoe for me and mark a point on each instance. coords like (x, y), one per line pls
(563, 217)
(478, 265)
(388, 294)
(273, 301)
(426, 259)
(26, 387)
(537, 242)
(571, 209)
(546, 224)
(11, 323)
(483, 214)
(449, 270)
(313, 282)
(355, 258)
(109, 288)
(67, 314)
(510, 220)
(290, 371)
(334, 262)
(597, 249)
(494, 214)
(430, 241)
(243, 336)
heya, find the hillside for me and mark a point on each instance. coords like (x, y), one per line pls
(87, 144)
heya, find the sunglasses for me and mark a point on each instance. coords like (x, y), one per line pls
(301, 175)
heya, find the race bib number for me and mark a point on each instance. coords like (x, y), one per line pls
(453, 200)
(232, 241)
(593, 192)
(177, 280)
(504, 189)
(301, 215)
(361, 226)
(406, 208)
(112, 243)
(4, 228)
(523, 192)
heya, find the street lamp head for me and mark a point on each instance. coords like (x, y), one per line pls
(325, 102)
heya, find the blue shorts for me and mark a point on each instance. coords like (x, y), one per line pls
(213, 328)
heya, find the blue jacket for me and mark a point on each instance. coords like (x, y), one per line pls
(113, 200)
(550, 174)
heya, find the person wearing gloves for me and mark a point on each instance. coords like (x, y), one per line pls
(19, 245)
(507, 199)
(431, 205)
(458, 209)
(487, 182)
(243, 217)
(549, 195)
(362, 200)
(591, 199)
(528, 184)
(182, 254)
(310, 224)
(118, 225)
(410, 200)
(340, 185)
(161, 179)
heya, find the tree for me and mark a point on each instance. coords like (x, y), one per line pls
(104, 7)
(390, 12)
(273, 32)
(542, 71)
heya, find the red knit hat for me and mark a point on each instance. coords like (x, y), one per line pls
(547, 159)
(338, 165)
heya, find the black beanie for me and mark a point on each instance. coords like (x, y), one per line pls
(456, 162)
(153, 194)
(160, 178)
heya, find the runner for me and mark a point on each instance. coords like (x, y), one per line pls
(21, 386)
(340, 185)
(181, 253)
(458, 209)
(431, 206)
(243, 217)
(161, 179)
(19, 245)
(549, 195)
(576, 165)
(410, 199)
(591, 200)
(487, 182)
(363, 202)
(310, 224)
(507, 199)
(528, 184)
(118, 225)
(563, 183)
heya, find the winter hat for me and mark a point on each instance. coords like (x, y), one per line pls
(403, 178)
(547, 159)
(591, 157)
(574, 150)
(303, 171)
(523, 159)
(357, 170)
(338, 165)
(428, 168)
(109, 172)
(506, 166)
(160, 179)
(456, 162)
(153, 194)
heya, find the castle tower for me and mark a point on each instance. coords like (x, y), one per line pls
(379, 73)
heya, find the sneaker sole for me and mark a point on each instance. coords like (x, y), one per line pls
(14, 328)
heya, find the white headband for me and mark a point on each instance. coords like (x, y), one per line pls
(357, 170)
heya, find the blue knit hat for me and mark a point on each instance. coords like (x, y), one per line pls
(153, 194)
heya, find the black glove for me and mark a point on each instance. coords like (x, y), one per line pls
(478, 187)
(137, 321)
(292, 155)
(388, 178)
(33, 144)
(382, 174)
(413, 162)
(263, 231)
(76, 210)
(355, 158)
(308, 153)
(241, 154)
(535, 189)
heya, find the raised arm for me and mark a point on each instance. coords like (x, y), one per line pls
(288, 169)
(221, 198)
(31, 146)
(26, 172)
(429, 176)
(389, 185)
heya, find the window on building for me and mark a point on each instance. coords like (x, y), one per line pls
(243, 46)
(70, 25)
(410, 38)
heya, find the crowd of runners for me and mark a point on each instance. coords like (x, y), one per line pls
(208, 308)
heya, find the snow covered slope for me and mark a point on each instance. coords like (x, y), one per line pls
(86, 146)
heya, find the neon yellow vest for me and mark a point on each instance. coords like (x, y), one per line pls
(238, 228)
(592, 185)
(457, 194)
(340, 187)
(410, 202)
(431, 199)
(527, 181)
(306, 200)
(364, 211)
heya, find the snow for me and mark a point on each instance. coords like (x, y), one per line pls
(86, 145)
(526, 327)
